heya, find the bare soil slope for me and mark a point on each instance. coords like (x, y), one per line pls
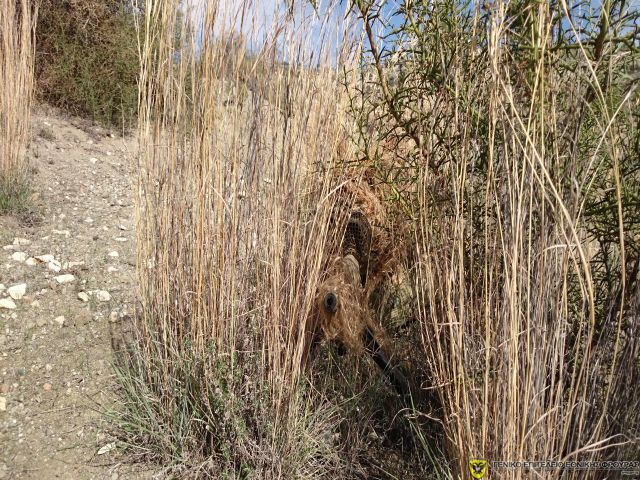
(55, 353)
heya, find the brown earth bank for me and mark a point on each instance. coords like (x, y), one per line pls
(66, 275)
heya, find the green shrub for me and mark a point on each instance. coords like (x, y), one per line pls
(508, 135)
(87, 59)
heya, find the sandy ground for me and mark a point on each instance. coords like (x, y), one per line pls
(55, 351)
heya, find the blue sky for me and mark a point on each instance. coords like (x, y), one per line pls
(319, 32)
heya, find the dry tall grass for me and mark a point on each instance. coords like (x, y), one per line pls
(525, 362)
(234, 198)
(17, 25)
(487, 174)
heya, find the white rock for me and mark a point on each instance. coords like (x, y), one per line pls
(7, 303)
(109, 154)
(88, 220)
(2, 287)
(3, 404)
(93, 160)
(75, 264)
(66, 233)
(111, 269)
(113, 316)
(54, 265)
(107, 448)
(122, 227)
(83, 296)
(103, 296)
(59, 320)
(21, 241)
(17, 291)
(19, 256)
(114, 254)
(9, 247)
(35, 303)
(120, 239)
(66, 278)
(31, 261)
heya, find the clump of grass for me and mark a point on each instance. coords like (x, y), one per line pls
(14, 195)
(233, 205)
(47, 134)
(17, 20)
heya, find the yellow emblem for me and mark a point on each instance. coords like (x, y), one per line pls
(478, 468)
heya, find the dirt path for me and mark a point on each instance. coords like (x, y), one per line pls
(55, 353)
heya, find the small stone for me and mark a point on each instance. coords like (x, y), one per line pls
(48, 367)
(107, 448)
(109, 154)
(54, 265)
(19, 256)
(66, 278)
(75, 264)
(103, 296)
(111, 269)
(114, 254)
(59, 320)
(88, 220)
(17, 291)
(3, 404)
(35, 303)
(83, 296)
(122, 227)
(47, 386)
(113, 316)
(2, 287)
(41, 322)
(93, 160)
(45, 258)
(21, 241)
(66, 233)
(31, 261)
(7, 303)
(120, 239)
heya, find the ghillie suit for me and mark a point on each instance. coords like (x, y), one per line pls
(343, 301)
